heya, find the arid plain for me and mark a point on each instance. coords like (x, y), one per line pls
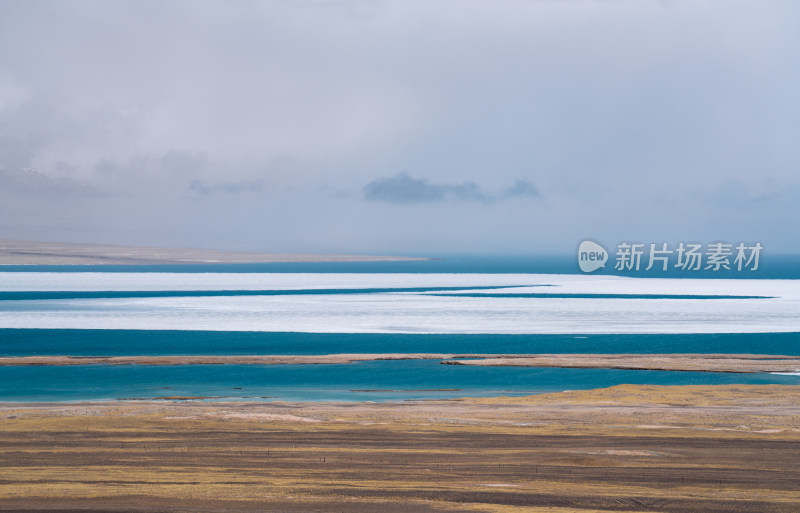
(625, 448)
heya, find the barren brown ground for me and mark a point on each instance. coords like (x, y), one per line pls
(626, 448)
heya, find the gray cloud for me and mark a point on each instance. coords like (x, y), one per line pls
(401, 188)
(201, 187)
(225, 124)
(404, 189)
(522, 189)
(34, 183)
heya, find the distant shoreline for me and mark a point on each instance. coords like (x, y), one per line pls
(730, 363)
(20, 252)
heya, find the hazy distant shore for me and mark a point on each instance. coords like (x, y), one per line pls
(19, 252)
(734, 363)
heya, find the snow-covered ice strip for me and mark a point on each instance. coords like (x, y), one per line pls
(410, 313)
(33, 281)
(577, 284)
(530, 283)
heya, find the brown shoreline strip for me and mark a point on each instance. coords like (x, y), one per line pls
(736, 363)
(22, 252)
(665, 362)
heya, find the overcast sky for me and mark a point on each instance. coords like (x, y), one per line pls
(406, 127)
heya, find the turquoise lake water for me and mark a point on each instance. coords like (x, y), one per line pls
(772, 267)
(372, 381)
(365, 381)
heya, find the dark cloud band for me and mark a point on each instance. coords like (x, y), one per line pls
(404, 189)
